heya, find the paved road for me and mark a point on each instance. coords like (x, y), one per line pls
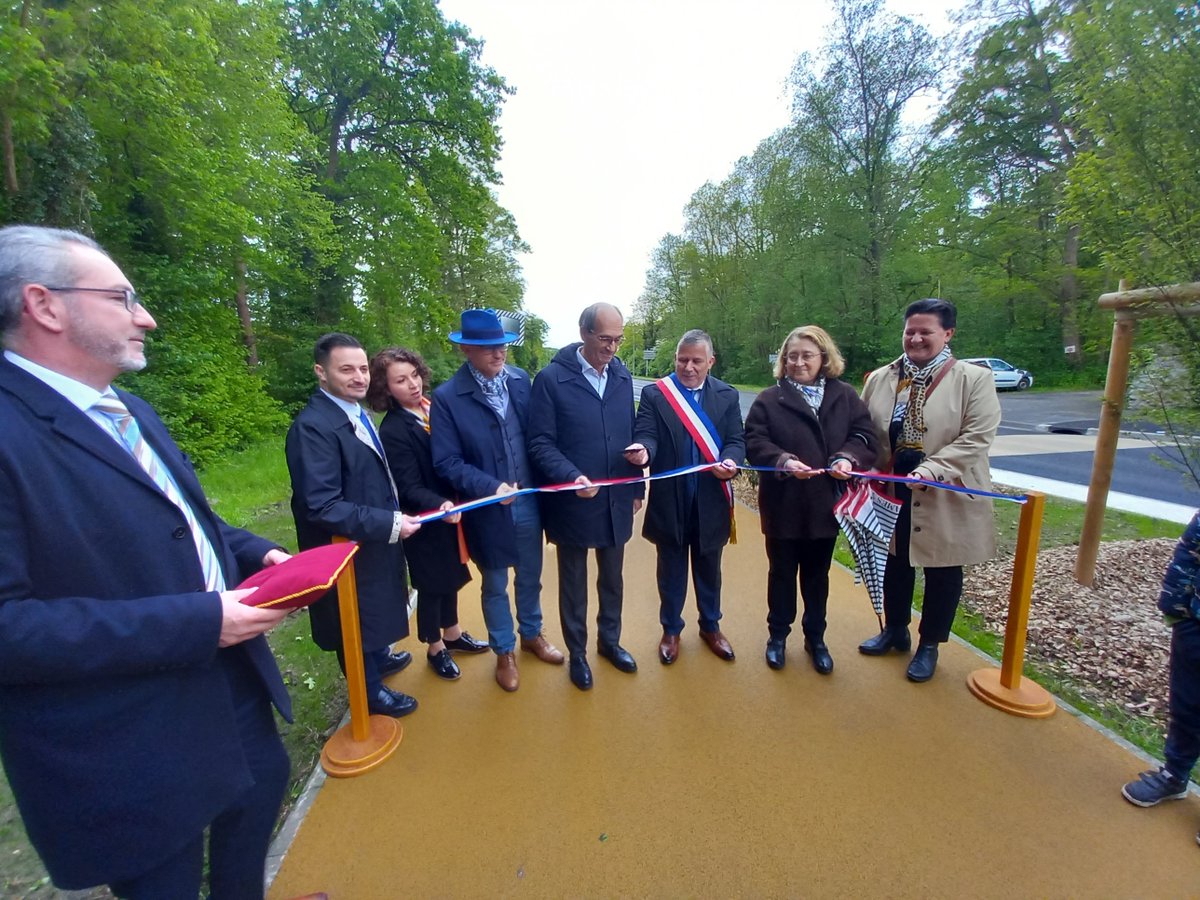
(1043, 444)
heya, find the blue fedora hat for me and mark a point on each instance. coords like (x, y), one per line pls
(481, 328)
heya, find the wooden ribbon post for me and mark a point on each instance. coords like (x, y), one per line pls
(367, 741)
(1004, 688)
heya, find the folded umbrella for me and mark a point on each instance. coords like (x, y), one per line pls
(867, 517)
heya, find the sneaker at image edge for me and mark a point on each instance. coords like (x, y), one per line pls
(1152, 788)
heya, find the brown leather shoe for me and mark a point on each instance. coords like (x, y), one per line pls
(542, 649)
(506, 671)
(717, 643)
(668, 648)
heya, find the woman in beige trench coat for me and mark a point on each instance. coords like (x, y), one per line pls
(936, 417)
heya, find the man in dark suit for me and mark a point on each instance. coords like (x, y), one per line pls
(580, 420)
(341, 486)
(478, 422)
(683, 420)
(135, 688)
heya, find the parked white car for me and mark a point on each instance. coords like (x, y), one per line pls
(1007, 376)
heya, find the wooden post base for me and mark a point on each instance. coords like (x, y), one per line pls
(344, 757)
(1028, 698)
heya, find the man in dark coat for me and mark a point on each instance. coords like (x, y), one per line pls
(478, 423)
(580, 422)
(686, 419)
(341, 486)
(135, 688)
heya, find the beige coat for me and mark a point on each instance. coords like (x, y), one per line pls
(961, 418)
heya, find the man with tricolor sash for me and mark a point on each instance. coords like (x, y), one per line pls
(688, 419)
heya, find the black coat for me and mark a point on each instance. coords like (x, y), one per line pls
(659, 429)
(117, 727)
(572, 432)
(432, 553)
(340, 486)
(782, 426)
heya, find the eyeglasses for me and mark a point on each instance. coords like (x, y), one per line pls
(607, 339)
(802, 357)
(129, 297)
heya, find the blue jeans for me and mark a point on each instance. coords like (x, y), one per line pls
(527, 524)
(1183, 728)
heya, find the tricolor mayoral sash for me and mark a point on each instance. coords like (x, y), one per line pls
(702, 430)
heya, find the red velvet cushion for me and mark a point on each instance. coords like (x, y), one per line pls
(300, 580)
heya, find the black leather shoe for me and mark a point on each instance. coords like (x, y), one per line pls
(924, 662)
(395, 662)
(888, 639)
(581, 673)
(464, 643)
(776, 652)
(618, 656)
(391, 703)
(443, 665)
(821, 660)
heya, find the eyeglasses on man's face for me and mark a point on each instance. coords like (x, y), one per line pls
(608, 340)
(127, 296)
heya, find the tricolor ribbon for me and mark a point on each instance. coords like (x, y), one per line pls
(434, 515)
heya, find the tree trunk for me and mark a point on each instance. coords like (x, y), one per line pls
(243, 308)
(11, 185)
(1068, 297)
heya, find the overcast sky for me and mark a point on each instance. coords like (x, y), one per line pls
(622, 110)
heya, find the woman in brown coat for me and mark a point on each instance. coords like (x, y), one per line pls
(810, 421)
(938, 417)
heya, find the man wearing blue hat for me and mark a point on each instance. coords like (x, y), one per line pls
(477, 424)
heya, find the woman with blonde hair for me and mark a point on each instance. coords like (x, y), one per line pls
(809, 424)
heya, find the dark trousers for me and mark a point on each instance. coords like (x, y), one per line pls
(240, 835)
(943, 585)
(672, 584)
(1183, 730)
(434, 613)
(811, 559)
(573, 594)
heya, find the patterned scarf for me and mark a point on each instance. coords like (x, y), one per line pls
(422, 414)
(910, 410)
(813, 393)
(494, 389)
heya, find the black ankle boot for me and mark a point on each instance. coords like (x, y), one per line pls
(924, 662)
(888, 639)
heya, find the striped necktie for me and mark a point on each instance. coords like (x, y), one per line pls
(131, 434)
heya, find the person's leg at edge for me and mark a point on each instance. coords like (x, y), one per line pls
(1183, 730)
(176, 879)
(527, 584)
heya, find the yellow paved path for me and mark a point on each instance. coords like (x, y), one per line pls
(710, 779)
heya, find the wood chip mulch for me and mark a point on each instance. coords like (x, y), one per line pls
(1110, 640)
